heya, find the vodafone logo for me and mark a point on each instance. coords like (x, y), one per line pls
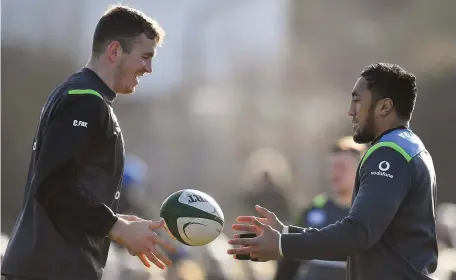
(384, 166)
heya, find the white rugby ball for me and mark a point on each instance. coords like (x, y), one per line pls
(192, 217)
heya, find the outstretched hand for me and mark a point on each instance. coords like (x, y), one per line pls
(268, 218)
(264, 247)
(138, 237)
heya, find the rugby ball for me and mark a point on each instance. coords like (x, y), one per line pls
(192, 217)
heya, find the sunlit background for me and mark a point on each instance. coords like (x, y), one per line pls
(238, 89)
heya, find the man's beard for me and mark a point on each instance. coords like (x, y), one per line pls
(366, 133)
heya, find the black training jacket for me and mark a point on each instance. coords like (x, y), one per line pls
(390, 230)
(73, 185)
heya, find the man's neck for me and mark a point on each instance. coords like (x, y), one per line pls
(390, 126)
(96, 65)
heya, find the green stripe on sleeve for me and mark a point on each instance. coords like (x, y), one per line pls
(392, 145)
(85, 91)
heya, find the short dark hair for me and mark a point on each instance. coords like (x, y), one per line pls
(348, 145)
(124, 24)
(392, 81)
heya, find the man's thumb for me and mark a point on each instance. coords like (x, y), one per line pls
(156, 224)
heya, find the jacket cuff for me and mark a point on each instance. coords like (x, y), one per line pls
(293, 229)
(106, 224)
(280, 246)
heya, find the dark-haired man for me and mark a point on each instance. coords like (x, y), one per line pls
(74, 182)
(389, 232)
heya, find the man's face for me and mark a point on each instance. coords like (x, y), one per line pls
(342, 171)
(131, 66)
(363, 112)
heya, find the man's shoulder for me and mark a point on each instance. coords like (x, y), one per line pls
(401, 141)
(77, 84)
(74, 94)
(404, 140)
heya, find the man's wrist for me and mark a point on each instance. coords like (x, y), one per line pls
(117, 229)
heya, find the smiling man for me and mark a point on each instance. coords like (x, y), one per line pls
(390, 231)
(74, 181)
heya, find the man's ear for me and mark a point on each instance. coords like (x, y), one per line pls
(387, 106)
(114, 50)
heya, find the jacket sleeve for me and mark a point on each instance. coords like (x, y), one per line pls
(286, 268)
(72, 130)
(385, 181)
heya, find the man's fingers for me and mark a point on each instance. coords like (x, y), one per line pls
(154, 260)
(247, 228)
(244, 241)
(154, 250)
(143, 259)
(245, 219)
(258, 224)
(241, 251)
(164, 243)
(250, 219)
(156, 224)
(136, 219)
(263, 211)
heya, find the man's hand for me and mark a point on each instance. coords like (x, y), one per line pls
(130, 218)
(139, 239)
(265, 247)
(133, 218)
(269, 218)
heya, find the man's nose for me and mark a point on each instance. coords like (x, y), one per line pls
(351, 111)
(148, 66)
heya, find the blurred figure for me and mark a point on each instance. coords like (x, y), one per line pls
(269, 194)
(133, 190)
(446, 234)
(327, 209)
(265, 179)
(446, 224)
